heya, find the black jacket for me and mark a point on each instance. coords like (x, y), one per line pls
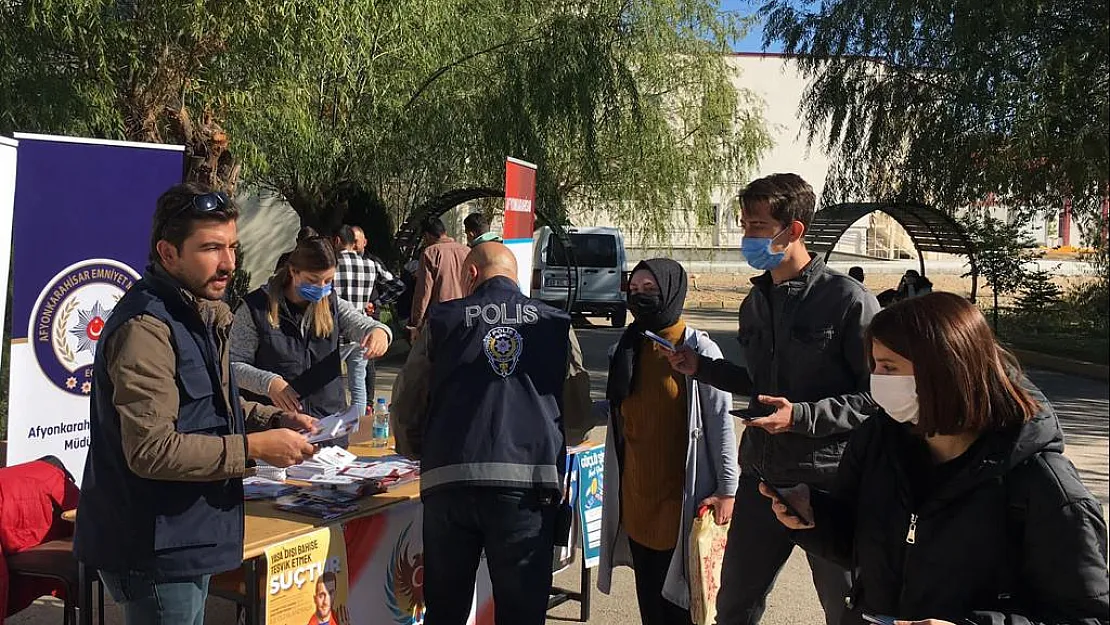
(1011, 537)
(310, 364)
(802, 340)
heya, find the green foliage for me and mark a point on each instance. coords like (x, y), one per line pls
(1091, 300)
(1039, 294)
(622, 105)
(1001, 252)
(950, 102)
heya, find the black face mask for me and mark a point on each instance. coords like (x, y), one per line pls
(646, 307)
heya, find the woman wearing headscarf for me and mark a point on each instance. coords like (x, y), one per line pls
(671, 448)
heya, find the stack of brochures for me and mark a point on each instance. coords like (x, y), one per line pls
(327, 462)
(255, 488)
(312, 504)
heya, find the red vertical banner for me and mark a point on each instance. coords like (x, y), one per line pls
(520, 216)
(1065, 223)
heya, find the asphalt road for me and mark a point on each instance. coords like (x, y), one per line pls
(1083, 406)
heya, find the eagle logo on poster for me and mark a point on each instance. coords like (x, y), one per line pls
(70, 315)
(404, 582)
(503, 347)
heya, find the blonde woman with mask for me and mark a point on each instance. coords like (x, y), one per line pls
(286, 335)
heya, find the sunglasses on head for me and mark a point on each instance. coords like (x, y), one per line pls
(206, 202)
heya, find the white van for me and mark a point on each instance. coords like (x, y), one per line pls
(602, 281)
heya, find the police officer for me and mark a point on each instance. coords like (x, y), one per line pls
(483, 401)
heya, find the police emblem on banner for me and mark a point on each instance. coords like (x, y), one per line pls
(70, 315)
(503, 347)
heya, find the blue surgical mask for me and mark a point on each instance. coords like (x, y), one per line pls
(757, 251)
(313, 292)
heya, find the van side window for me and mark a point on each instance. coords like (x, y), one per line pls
(590, 250)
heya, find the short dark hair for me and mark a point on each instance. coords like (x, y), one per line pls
(857, 273)
(306, 232)
(175, 218)
(433, 226)
(328, 578)
(476, 223)
(346, 235)
(966, 381)
(790, 198)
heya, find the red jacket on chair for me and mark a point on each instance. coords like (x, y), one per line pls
(32, 498)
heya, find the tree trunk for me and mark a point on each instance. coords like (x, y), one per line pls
(995, 292)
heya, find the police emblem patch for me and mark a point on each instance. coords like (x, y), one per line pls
(503, 347)
(69, 316)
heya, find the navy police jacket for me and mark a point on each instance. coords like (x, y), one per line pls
(493, 414)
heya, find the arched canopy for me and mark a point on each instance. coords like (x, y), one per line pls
(930, 230)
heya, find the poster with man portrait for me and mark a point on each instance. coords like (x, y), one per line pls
(306, 580)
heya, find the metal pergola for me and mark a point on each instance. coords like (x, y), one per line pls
(930, 230)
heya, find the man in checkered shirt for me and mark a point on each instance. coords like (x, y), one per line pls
(355, 280)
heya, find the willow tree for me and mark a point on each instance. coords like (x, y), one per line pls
(625, 105)
(628, 106)
(956, 101)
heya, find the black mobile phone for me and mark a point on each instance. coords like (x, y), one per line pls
(748, 414)
(777, 493)
(879, 619)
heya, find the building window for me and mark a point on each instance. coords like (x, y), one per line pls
(711, 217)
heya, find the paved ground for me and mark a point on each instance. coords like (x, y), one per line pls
(1083, 405)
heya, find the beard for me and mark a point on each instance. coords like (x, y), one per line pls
(210, 288)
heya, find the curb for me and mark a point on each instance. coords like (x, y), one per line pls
(712, 307)
(1038, 360)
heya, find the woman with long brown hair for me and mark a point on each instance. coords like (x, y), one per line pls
(954, 503)
(286, 335)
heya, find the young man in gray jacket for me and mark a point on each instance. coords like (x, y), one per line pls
(805, 369)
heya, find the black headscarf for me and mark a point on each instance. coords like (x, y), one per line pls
(671, 278)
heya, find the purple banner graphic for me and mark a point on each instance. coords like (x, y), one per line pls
(76, 201)
(81, 238)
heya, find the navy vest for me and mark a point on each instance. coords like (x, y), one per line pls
(161, 527)
(499, 362)
(310, 364)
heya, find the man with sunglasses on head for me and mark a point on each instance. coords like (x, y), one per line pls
(806, 371)
(170, 439)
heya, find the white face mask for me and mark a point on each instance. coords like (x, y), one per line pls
(897, 395)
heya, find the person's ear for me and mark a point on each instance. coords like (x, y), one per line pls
(167, 252)
(797, 229)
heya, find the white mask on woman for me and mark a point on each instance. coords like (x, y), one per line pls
(897, 395)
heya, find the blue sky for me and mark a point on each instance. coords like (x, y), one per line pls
(754, 41)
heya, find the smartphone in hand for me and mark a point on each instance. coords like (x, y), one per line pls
(782, 498)
(879, 619)
(748, 414)
(664, 343)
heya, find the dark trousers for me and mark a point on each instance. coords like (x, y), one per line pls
(758, 547)
(515, 528)
(651, 567)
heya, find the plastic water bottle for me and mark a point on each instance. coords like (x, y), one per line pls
(380, 428)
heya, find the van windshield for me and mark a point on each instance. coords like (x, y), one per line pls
(590, 250)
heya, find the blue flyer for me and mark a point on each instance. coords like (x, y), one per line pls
(591, 473)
